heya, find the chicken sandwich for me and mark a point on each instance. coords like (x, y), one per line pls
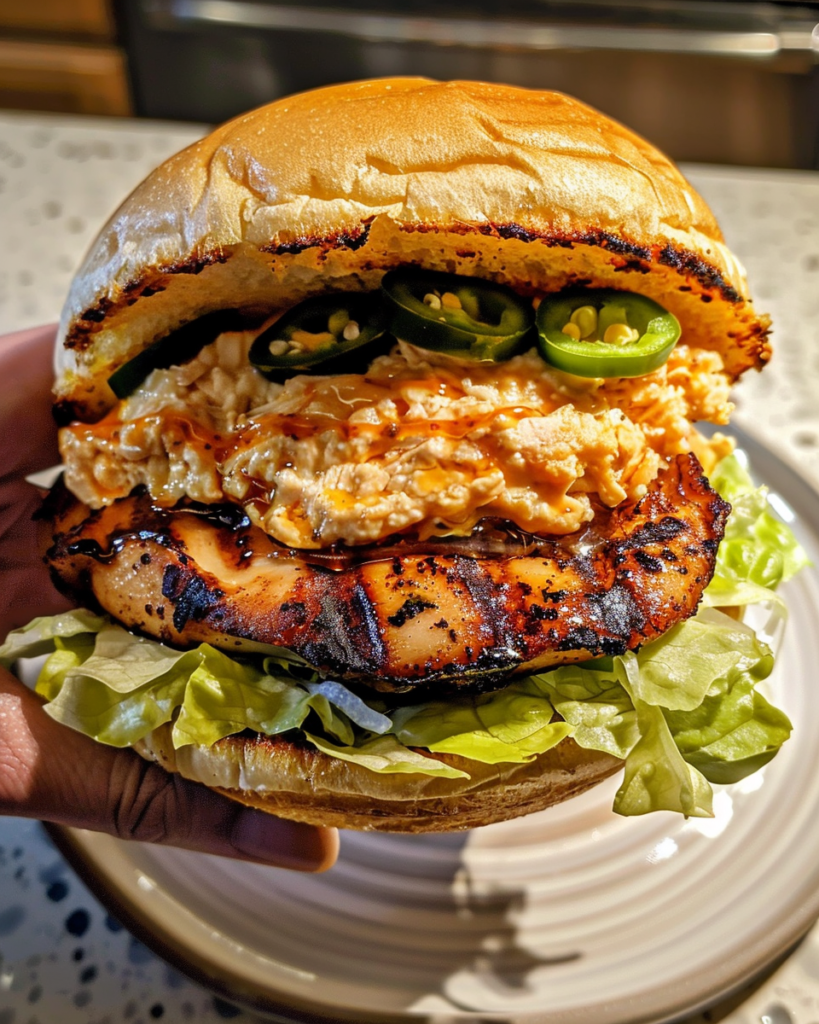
(383, 487)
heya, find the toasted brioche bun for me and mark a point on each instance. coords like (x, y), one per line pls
(329, 189)
(303, 784)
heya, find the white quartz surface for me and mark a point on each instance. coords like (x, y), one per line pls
(771, 220)
(60, 178)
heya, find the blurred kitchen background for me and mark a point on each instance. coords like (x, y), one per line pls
(716, 81)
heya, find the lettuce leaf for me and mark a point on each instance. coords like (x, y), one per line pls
(38, 637)
(678, 670)
(386, 755)
(91, 706)
(223, 697)
(673, 747)
(126, 662)
(68, 654)
(509, 725)
(657, 777)
(757, 548)
(735, 731)
(595, 705)
(681, 711)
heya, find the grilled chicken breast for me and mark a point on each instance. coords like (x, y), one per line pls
(407, 620)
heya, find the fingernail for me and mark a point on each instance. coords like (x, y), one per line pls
(285, 844)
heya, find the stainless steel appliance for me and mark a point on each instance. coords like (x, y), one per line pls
(730, 81)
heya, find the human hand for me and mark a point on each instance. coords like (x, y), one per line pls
(50, 772)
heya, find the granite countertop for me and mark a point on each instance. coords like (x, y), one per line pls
(61, 956)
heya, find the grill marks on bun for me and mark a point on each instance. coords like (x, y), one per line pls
(527, 188)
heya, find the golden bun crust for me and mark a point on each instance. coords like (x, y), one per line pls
(303, 784)
(328, 189)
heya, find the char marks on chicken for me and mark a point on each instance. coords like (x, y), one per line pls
(444, 621)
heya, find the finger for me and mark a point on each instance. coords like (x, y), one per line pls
(29, 443)
(147, 803)
(27, 587)
(51, 772)
(27, 427)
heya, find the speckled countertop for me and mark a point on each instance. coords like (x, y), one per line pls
(61, 956)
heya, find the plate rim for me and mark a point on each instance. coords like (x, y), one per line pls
(72, 844)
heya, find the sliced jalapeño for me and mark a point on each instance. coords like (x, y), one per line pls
(603, 332)
(317, 331)
(467, 317)
(176, 348)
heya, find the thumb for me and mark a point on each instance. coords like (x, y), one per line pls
(51, 772)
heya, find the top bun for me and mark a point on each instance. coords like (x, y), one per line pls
(329, 189)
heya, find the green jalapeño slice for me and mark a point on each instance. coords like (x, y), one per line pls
(465, 316)
(308, 336)
(182, 345)
(605, 333)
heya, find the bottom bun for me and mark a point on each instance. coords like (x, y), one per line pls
(301, 783)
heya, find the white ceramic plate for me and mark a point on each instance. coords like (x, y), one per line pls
(570, 915)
